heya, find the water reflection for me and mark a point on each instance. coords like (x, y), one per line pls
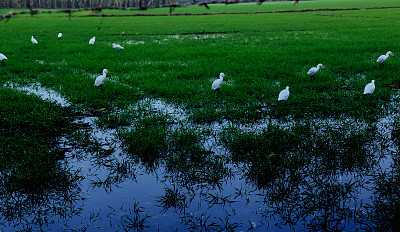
(383, 213)
(312, 174)
(26, 208)
(164, 173)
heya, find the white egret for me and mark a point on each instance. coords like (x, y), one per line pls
(92, 40)
(59, 35)
(284, 94)
(369, 88)
(100, 79)
(314, 70)
(383, 58)
(216, 85)
(34, 41)
(2, 57)
(117, 47)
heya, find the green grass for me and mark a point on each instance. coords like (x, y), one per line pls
(147, 141)
(182, 69)
(29, 170)
(176, 58)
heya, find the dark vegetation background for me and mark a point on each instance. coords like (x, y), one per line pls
(96, 3)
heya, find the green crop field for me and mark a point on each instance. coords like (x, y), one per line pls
(291, 152)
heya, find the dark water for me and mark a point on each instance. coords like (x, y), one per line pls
(117, 192)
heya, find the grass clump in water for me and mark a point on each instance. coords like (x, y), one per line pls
(384, 211)
(117, 119)
(191, 162)
(271, 153)
(147, 140)
(173, 198)
(278, 152)
(30, 174)
(29, 135)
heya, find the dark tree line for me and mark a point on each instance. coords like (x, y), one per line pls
(57, 4)
(54, 4)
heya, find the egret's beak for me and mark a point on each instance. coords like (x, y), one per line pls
(323, 66)
(108, 71)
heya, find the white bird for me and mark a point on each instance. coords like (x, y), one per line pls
(369, 88)
(2, 57)
(216, 85)
(91, 41)
(284, 94)
(314, 70)
(100, 79)
(117, 46)
(59, 35)
(383, 58)
(34, 41)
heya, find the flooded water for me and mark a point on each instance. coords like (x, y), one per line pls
(44, 93)
(119, 192)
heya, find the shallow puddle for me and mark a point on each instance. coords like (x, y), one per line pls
(118, 192)
(44, 93)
